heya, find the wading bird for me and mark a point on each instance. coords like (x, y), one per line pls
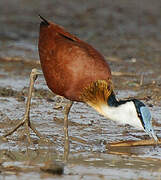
(75, 70)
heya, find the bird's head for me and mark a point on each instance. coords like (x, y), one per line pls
(132, 112)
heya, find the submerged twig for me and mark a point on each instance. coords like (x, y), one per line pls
(141, 79)
(115, 73)
(149, 142)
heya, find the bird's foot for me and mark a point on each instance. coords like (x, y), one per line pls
(28, 125)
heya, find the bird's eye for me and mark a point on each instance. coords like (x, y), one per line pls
(139, 114)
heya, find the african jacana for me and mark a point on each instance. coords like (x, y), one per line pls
(75, 70)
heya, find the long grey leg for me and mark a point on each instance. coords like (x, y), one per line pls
(66, 136)
(26, 118)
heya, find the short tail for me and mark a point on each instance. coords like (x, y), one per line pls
(44, 22)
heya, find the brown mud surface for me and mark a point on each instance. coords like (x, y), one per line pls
(128, 35)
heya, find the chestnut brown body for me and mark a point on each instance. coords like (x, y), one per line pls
(68, 63)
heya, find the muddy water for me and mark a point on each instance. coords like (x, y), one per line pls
(128, 34)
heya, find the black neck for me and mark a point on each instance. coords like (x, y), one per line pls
(112, 101)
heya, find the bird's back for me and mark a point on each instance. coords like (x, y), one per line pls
(69, 64)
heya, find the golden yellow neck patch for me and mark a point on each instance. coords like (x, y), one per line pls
(97, 93)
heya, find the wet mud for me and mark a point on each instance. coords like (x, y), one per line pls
(127, 33)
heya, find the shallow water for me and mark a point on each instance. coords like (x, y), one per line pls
(128, 34)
